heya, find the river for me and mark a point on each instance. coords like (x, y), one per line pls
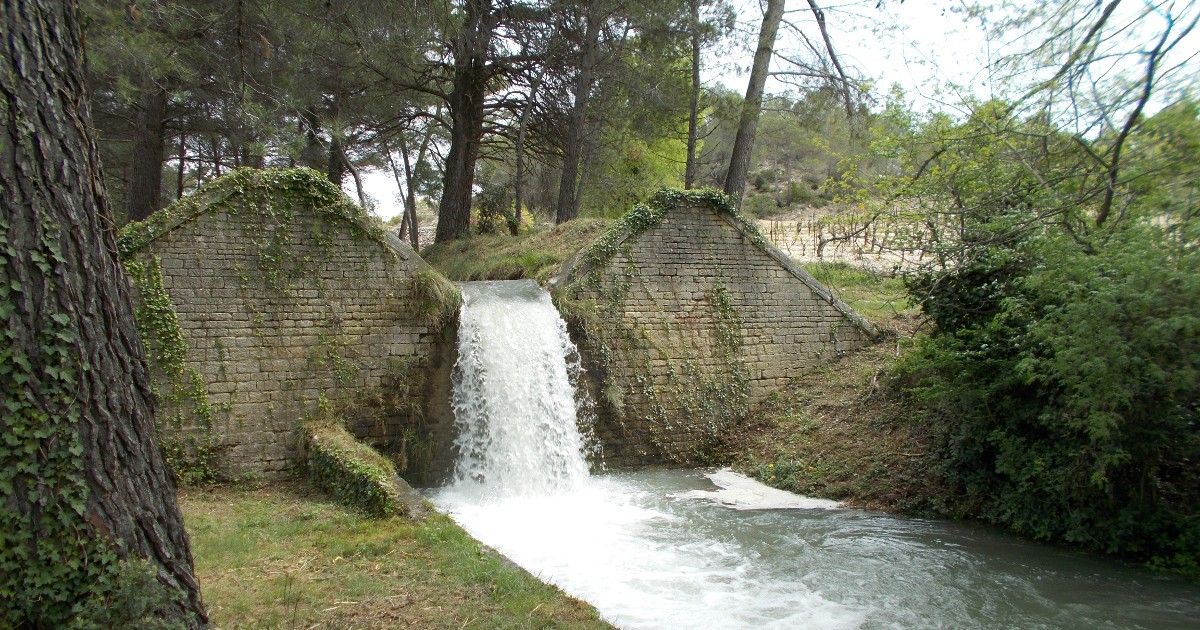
(712, 549)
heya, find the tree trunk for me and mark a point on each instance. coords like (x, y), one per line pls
(405, 219)
(519, 175)
(179, 176)
(568, 206)
(312, 154)
(844, 86)
(466, 104)
(410, 198)
(82, 481)
(689, 171)
(145, 177)
(743, 144)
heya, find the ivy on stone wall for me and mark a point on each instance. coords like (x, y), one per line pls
(706, 402)
(191, 453)
(642, 217)
(281, 257)
(268, 193)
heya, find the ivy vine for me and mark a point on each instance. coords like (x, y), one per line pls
(702, 404)
(54, 572)
(192, 454)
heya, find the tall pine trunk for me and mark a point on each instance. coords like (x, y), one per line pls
(82, 481)
(144, 197)
(689, 171)
(519, 149)
(466, 104)
(568, 186)
(743, 144)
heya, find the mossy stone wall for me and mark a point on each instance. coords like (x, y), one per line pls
(687, 319)
(285, 297)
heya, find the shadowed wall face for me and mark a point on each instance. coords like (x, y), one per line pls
(288, 311)
(690, 322)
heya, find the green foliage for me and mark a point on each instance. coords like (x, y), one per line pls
(632, 168)
(191, 453)
(351, 471)
(1067, 390)
(1062, 378)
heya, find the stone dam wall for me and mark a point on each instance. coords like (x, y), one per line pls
(288, 303)
(267, 299)
(686, 316)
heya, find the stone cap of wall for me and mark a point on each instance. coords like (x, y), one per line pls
(294, 186)
(667, 200)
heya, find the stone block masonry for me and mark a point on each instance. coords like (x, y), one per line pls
(289, 300)
(686, 317)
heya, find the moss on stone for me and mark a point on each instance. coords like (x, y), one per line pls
(269, 193)
(354, 473)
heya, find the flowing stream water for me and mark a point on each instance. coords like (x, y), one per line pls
(712, 549)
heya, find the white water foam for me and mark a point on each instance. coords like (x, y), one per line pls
(743, 493)
(521, 485)
(662, 549)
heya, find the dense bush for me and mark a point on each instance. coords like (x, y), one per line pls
(1065, 385)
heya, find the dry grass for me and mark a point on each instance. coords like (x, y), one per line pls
(537, 255)
(842, 431)
(282, 556)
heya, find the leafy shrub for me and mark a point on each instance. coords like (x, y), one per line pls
(1065, 386)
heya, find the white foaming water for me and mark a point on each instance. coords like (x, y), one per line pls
(663, 549)
(514, 402)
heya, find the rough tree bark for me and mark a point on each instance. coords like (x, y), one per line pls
(743, 144)
(466, 105)
(75, 384)
(145, 177)
(689, 171)
(568, 204)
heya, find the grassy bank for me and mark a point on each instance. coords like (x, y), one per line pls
(840, 431)
(537, 255)
(283, 556)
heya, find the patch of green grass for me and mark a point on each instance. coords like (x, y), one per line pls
(282, 556)
(537, 255)
(876, 296)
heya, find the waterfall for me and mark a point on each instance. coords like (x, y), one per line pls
(657, 549)
(515, 402)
